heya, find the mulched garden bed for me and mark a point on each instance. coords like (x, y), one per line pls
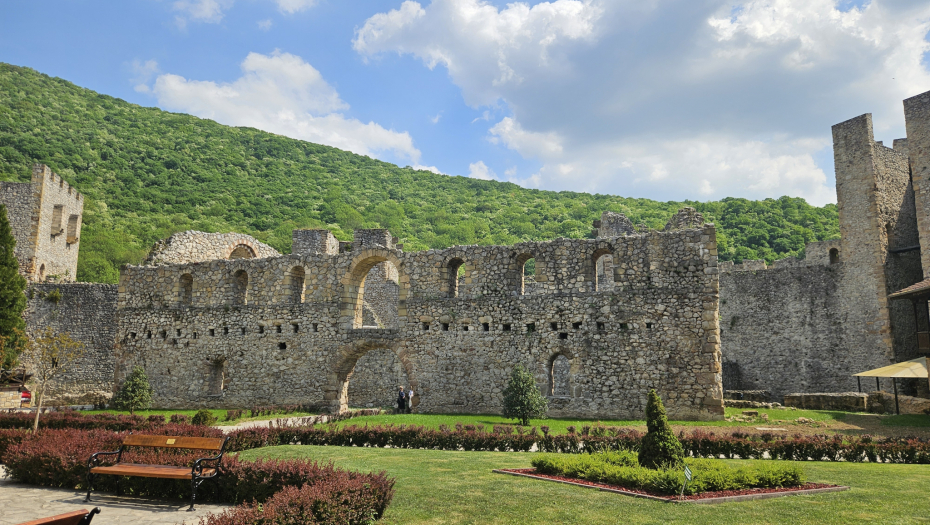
(705, 497)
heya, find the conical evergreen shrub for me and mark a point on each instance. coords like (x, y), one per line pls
(660, 448)
(135, 394)
(522, 400)
(12, 298)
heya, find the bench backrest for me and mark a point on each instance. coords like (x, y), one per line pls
(71, 518)
(199, 443)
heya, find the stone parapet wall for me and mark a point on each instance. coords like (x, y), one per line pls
(845, 401)
(87, 312)
(656, 329)
(18, 198)
(193, 246)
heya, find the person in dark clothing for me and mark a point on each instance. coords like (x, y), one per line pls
(401, 400)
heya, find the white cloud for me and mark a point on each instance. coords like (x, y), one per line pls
(264, 25)
(435, 120)
(282, 94)
(671, 98)
(142, 73)
(479, 170)
(294, 6)
(434, 169)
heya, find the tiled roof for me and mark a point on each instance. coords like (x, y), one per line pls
(915, 289)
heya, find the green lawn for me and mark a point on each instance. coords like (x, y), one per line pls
(907, 420)
(439, 487)
(560, 426)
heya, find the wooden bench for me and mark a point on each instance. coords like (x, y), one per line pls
(202, 469)
(78, 517)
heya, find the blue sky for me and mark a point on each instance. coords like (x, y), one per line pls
(667, 99)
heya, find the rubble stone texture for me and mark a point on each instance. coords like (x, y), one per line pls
(194, 246)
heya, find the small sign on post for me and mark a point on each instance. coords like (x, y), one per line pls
(688, 476)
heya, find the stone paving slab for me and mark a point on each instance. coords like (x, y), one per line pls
(20, 503)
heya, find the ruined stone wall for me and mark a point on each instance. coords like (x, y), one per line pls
(45, 215)
(87, 312)
(656, 329)
(917, 147)
(193, 246)
(374, 382)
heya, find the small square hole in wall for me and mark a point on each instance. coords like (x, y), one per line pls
(486, 327)
(194, 335)
(174, 341)
(225, 330)
(132, 335)
(164, 334)
(506, 327)
(282, 346)
(425, 327)
(445, 327)
(212, 332)
(295, 327)
(316, 327)
(601, 326)
(563, 335)
(649, 326)
(624, 326)
(530, 327)
(148, 334)
(576, 326)
(243, 330)
(465, 328)
(554, 326)
(261, 329)
(279, 329)
(178, 332)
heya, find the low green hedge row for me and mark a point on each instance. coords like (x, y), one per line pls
(709, 475)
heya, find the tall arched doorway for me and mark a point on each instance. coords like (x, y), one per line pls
(371, 371)
(375, 291)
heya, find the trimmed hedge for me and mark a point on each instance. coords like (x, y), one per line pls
(622, 469)
(698, 444)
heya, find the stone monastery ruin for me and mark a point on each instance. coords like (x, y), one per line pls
(222, 320)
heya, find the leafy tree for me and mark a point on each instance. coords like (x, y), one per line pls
(522, 399)
(50, 354)
(12, 298)
(135, 392)
(660, 448)
(203, 417)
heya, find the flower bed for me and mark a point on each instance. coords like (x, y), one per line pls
(622, 469)
(697, 444)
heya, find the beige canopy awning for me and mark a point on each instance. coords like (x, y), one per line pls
(913, 368)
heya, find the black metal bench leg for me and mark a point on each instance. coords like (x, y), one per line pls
(194, 485)
(119, 491)
(90, 484)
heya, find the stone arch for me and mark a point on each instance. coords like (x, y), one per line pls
(241, 251)
(834, 255)
(560, 370)
(603, 269)
(186, 289)
(353, 286)
(336, 391)
(519, 262)
(240, 287)
(451, 275)
(294, 284)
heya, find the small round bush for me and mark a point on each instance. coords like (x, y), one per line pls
(203, 417)
(660, 448)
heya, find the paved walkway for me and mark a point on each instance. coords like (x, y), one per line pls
(21, 503)
(288, 421)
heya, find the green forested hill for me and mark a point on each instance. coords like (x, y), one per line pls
(147, 173)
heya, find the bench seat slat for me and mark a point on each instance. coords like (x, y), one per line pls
(148, 471)
(199, 443)
(71, 518)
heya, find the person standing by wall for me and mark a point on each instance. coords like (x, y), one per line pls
(401, 400)
(410, 400)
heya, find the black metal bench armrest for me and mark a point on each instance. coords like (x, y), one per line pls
(197, 468)
(95, 458)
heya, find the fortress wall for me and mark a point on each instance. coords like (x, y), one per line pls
(917, 148)
(18, 197)
(659, 329)
(374, 381)
(193, 246)
(87, 312)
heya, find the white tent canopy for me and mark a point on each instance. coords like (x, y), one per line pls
(915, 368)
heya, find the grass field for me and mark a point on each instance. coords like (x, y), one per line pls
(437, 487)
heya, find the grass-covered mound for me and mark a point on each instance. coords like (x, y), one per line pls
(709, 475)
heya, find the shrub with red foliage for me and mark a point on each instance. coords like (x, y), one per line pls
(343, 502)
(9, 437)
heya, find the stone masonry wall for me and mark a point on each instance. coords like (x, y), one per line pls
(193, 246)
(87, 313)
(656, 329)
(18, 199)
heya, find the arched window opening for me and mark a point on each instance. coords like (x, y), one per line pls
(240, 287)
(242, 251)
(380, 294)
(216, 376)
(559, 369)
(295, 284)
(603, 271)
(834, 256)
(375, 380)
(526, 268)
(186, 291)
(456, 274)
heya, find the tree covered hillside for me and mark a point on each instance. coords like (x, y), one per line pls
(147, 173)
